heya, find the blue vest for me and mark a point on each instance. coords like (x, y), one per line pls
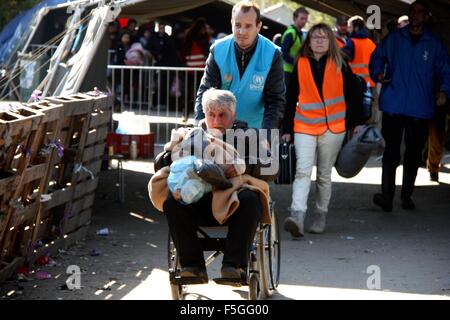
(248, 89)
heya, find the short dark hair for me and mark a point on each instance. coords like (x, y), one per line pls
(423, 3)
(300, 10)
(357, 22)
(341, 20)
(245, 6)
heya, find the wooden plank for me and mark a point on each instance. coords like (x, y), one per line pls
(58, 198)
(73, 104)
(51, 111)
(62, 196)
(35, 172)
(97, 135)
(8, 269)
(100, 118)
(93, 167)
(93, 152)
(85, 187)
(27, 214)
(81, 219)
(9, 183)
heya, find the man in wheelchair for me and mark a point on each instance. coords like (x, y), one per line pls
(240, 206)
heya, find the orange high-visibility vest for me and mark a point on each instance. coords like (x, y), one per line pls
(340, 42)
(196, 58)
(314, 116)
(360, 63)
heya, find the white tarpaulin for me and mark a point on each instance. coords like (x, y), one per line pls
(82, 60)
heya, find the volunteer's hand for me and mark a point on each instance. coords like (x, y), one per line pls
(383, 80)
(441, 98)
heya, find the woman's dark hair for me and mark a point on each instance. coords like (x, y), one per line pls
(198, 33)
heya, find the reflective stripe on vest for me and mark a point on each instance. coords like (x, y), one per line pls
(314, 116)
(363, 52)
(196, 59)
(294, 49)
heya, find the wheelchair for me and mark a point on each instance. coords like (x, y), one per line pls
(263, 268)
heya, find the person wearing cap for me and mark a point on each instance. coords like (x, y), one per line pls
(292, 40)
(341, 31)
(402, 21)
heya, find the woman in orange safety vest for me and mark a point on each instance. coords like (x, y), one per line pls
(316, 119)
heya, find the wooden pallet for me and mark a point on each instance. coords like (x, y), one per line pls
(81, 122)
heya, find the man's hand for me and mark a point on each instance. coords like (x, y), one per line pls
(441, 98)
(202, 123)
(382, 79)
(286, 137)
(230, 172)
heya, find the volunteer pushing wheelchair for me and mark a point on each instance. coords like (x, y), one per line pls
(201, 181)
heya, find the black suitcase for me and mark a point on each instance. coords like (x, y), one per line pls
(286, 171)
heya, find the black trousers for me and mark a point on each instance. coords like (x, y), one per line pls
(415, 132)
(184, 219)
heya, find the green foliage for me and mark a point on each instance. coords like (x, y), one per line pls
(10, 8)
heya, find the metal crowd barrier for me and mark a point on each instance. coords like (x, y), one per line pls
(166, 95)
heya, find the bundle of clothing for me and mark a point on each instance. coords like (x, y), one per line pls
(198, 162)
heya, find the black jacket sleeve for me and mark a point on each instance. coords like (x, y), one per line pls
(353, 92)
(274, 94)
(293, 91)
(211, 79)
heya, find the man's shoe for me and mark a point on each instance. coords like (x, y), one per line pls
(195, 273)
(408, 204)
(434, 176)
(320, 221)
(231, 272)
(295, 224)
(382, 201)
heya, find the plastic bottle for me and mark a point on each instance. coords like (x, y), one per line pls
(133, 150)
(367, 101)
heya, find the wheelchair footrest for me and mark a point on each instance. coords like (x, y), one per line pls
(231, 282)
(188, 280)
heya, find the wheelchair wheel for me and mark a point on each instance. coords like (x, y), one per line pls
(253, 287)
(177, 290)
(269, 256)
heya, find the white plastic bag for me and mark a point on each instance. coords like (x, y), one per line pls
(184, 184)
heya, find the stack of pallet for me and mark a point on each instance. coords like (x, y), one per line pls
(51, 155)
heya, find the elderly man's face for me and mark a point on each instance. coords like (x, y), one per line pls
(220, 119)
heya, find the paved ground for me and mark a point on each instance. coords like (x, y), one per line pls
(410, 248)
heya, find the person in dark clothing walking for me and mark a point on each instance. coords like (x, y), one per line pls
(406, 62)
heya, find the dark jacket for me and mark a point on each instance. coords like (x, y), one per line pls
(353, 93)
(274, 88)
(264, 159)
(412, 70)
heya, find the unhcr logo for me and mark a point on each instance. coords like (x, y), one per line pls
(257, 83)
